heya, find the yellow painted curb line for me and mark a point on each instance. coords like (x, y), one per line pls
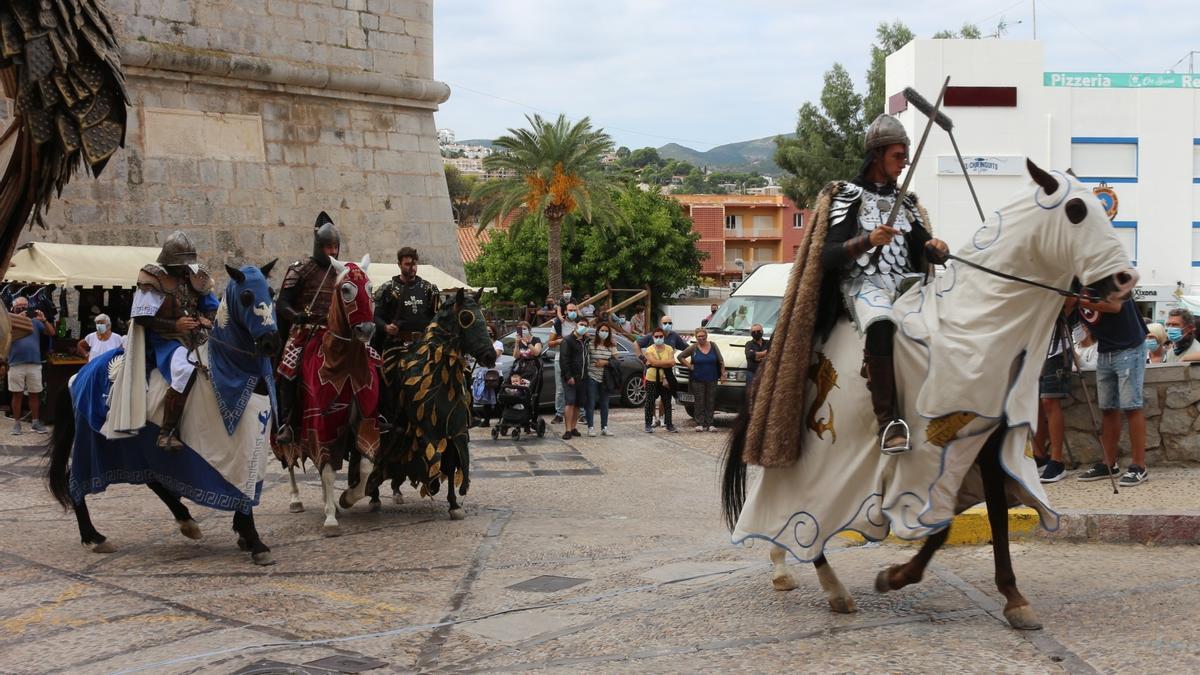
(971, 527)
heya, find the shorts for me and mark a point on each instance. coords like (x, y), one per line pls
(25, 377)
(1119, 378)
(1055, 381)
(576, 394)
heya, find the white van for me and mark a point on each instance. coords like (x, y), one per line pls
(756, 300)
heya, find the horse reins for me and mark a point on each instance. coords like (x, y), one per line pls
(1010, 277)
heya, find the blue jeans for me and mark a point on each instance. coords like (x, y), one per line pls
(597, 395)
(560, 401)
(1119, 378)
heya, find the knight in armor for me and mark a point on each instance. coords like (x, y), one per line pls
(867, 265)
(175, 304)
(303, 306)
(404, 307)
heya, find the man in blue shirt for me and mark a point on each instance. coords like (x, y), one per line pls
(25, 368)
(1120, 371)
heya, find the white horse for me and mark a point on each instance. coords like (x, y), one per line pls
(969, 348)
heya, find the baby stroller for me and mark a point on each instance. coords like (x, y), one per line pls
(519, 402)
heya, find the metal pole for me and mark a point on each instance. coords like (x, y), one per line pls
(1034, 19)
(970, 185)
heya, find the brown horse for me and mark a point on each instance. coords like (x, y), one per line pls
(339, 391)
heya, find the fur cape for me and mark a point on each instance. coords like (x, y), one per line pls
(773, 433)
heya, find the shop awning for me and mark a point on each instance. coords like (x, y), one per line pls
(78, 265)
(381, 272)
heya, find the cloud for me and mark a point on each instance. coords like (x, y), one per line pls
(705, 72)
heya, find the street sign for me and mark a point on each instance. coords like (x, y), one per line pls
(1121, 80)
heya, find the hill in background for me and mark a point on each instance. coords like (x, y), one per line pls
(743, 157)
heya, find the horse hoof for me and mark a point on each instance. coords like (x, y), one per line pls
(262, 558)
(1022, 618)
(882, 585)
(296, 507)
(189, 528)
(397, 498)
(457, 514)
(784, 582)
(376, 506)
(331, 531)
(105, 546)
(843, 605)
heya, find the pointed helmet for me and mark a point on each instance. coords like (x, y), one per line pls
(177, 250)
(884, 131)
(325, 233)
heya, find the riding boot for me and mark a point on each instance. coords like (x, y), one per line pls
(881, 382)
(285, 395)
(168, 435)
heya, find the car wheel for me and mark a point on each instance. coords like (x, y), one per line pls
(633, 393)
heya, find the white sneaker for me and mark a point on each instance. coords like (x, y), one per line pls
(698, 428)
(591, 431)
(604, 431)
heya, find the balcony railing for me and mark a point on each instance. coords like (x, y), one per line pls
(753, 233)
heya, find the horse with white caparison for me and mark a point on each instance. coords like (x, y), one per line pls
(107, 426)
(969, 348)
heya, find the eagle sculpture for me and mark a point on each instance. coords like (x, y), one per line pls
(59, 64)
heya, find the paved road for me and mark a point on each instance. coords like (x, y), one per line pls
(598, 555)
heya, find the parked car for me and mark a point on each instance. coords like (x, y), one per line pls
(757, 300)
(633, 390)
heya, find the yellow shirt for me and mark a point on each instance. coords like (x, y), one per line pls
(658, 353)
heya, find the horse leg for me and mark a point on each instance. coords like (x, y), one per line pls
(187, 526)
(397, 498)
(375, 505)
(450, 461)
(898, 576)
(1017, 610)
(248, 540)
(296, 506)
(88, 535)
(352, 495)
(330, 529)
(781, 578)
(837, 595)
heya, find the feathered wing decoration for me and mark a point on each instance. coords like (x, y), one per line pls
(60, 65)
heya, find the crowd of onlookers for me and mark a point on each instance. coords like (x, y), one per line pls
(1114, 340)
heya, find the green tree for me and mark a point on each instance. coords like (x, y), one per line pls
(828, 139)
(644, 157)
(622, 152)
(660, 252)
(888, 39)
(465, 209)
(556, 171)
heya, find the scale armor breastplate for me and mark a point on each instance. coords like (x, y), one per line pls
(894, 259)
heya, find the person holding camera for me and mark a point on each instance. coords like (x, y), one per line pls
(25, 367)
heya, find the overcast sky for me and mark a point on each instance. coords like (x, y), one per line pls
(707, 72)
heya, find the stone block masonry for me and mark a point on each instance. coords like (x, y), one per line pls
(248, 118)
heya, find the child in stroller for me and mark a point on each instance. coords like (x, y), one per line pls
(518, 401)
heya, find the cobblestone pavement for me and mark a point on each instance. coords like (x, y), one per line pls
(597, 555)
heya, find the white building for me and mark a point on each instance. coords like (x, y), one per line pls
(445, 136)
(1137, 132)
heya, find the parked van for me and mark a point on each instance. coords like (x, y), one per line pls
(756, 300)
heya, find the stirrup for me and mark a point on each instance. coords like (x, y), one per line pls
(900, 449)
(169, 440)
(284, 434)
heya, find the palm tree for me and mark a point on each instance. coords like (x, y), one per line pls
(550, 170)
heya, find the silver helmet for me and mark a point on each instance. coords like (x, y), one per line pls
(884, 131)
(177, 250)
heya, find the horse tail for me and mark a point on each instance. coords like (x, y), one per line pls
(59, 447)
(733, 478)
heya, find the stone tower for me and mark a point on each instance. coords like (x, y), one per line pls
(250, 117)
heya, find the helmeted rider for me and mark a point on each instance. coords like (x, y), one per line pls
(175, 303)
(303, 307)
(869, 264)
(404, 307)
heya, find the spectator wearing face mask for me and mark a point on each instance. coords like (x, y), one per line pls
(601, 365)
(712, 309)
(564, 300)
(574, 354)
(670, 338)
(1157, 344)
(660, 359)
(563, 327)
(756, 352)
(1086, 347)
(102, 340)
(708, 369)
(1181, 331)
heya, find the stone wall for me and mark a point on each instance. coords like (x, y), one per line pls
(249, 117)
(1171, 395)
